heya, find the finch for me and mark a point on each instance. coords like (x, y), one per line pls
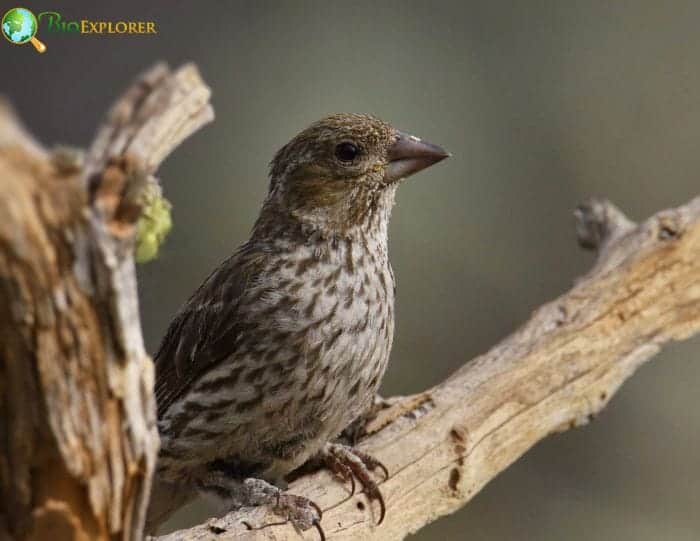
(287, 341)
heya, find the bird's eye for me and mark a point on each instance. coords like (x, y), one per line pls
(346, 152)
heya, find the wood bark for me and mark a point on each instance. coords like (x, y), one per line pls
(77, 424)
(78, 440)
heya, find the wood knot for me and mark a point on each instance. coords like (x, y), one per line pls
(669, 226)
(597, 222)
(215, 529)
(453, 481)
(116, 193)
(458, 435)
(67, 160)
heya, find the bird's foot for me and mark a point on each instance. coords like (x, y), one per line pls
(349, 464)
(301, 512)
(252, 492)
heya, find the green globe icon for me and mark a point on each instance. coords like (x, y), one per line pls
(19, 26)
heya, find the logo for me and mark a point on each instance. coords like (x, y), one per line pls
(19, 26)
(53, 22)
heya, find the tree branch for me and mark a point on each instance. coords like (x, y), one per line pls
(78, 440)
(554, 373)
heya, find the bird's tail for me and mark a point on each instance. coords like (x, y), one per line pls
(166, 498)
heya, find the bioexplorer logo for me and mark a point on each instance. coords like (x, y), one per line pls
(20, 26)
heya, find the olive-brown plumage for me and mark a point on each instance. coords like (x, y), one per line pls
(286, 342)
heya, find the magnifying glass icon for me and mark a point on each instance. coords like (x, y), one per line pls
(19, 26)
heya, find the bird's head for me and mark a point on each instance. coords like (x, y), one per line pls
(335, 173)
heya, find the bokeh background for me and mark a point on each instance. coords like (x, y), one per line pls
(542, 103)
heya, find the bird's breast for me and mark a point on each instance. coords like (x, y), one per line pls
(342, 303)
(319, 324)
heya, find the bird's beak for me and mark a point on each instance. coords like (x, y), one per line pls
(408, 155)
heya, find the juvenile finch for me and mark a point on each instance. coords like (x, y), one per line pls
(286, 342)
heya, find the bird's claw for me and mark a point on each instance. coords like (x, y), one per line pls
(370, 462)
(301, 512)
(341, 469)
(350, 463)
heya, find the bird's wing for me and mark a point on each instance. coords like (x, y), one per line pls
(205, 329)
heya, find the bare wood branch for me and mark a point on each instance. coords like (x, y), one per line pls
(78, 439)
(554, 373)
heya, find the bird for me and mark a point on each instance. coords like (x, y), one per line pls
(287, 340)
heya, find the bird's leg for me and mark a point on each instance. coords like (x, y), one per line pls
(349, 462)
(356, 430)
(252, 492)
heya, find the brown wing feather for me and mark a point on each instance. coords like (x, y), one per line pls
(204, 331)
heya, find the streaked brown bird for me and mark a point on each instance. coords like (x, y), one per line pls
(287, 341)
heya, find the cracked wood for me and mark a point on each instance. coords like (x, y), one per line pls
(78, 439)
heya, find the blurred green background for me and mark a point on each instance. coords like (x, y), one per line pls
(543, 104)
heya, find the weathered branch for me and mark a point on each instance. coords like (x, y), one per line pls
(554, 373)
(78, 440)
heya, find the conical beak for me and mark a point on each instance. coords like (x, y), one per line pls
(408, 155)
